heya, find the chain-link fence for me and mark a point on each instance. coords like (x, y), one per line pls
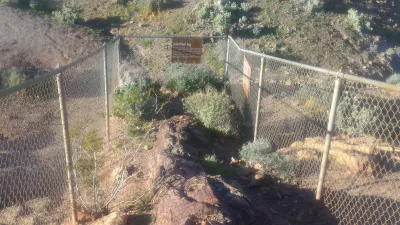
(298, 106)
(61, 147)
(53, 127)
(38, 118)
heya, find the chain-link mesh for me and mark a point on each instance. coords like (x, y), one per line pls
(33, 174)
(244, 85)
(33, 187)
(362, 180)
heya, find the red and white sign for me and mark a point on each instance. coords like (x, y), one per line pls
(246, 76)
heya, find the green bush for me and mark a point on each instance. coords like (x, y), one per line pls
(213, 110)
(310, 5)
(204, 10)
(355, 118)
(136, 100)
(356, 21)
(69, 14)
(221, 22)
(184, 78)
(11, 77)
(220, 16)
(261, 152)
(394, 79)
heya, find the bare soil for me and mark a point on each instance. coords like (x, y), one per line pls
(31, 39)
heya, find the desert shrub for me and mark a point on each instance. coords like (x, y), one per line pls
(221, 16)
(221, 22)
(244, 6)
(261, 152)
(213, 110)
(310, 5)
(184, 78)
(394, 79)
(243, 20)
(36, 4)
(136, 100)
(204, 10)
(69, 14)
(356, 21)
(256, 31)
(11, 77)
(355, 118)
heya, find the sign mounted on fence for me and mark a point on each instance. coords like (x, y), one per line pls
(187, 50)
(246, 76)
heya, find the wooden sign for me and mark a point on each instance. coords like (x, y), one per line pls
(246, 76)
(187, 50)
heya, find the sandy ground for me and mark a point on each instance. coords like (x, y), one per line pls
(28, 39)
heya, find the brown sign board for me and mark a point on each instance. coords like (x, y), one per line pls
(246, 76)
(187, 50)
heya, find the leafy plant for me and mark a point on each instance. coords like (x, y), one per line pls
(354, 117)
(213, 110)
(69, 14)
(204, 10)
(261, 152)
(256, 31)
(356, 21)
(310, 5)
(136, 100)
(244, 6)
(11, 77)
(184, 78)
(394, 79)
(221, 22)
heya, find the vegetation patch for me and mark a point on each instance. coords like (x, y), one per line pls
(214, 110)
(213, 166)
(355, 117)
(184, 78)
(70, 14)
(137, 100)
(272, 162)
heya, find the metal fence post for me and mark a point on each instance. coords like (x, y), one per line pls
(119, 58)
(260, 84)
(67, 146)
(106, 93)
(328, 139)
(226, 60)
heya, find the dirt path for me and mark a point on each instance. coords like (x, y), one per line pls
(28, 39)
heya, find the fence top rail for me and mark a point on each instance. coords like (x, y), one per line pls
(376, 83)
(168, 37)
(31, 82)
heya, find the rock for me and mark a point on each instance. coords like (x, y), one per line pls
(258, 166)
(115, 218)
(199, 189)
(256, 180)
(183, 193)
(362, 154)
(84, 217)
(146, 147)
(234, 161)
